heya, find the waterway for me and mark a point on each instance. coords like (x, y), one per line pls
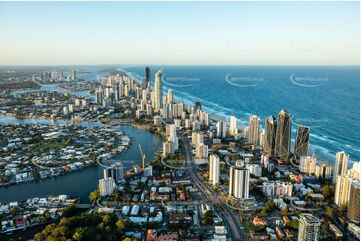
(81, 183)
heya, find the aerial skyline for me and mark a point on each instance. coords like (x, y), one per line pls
(214, 33)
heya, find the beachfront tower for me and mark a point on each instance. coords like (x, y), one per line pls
(253, 130)
(270, 135)
(147, 78)
(340, 165)
(158, 91)
(302, 141)
(283, 136)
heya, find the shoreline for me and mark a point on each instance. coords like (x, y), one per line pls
(323, 155)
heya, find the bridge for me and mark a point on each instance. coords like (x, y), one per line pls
(84, 206)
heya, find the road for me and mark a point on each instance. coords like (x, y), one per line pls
(230, 220)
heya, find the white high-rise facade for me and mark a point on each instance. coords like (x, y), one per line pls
(158, 91)
(233, 126)
(309, 227)
(342, 190)
(308, 164)
(106, 186)
(172, 135)
(239, 182)
(214, 169)
(221, 130)
(253, 130)
(169, 96)
(340, 165)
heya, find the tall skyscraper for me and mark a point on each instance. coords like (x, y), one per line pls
(342, 190)
(169, 96)
(239, 182)
(309, 227)
(197, 106)
(99, 96)
(308, 164)
(340, 165)
(147, 78)
(283, 136)
(114, 171)
(302, 141)
(323, 172)
(270, 135)
(253, 130)
(158, 91)
(353, 212)
(214, 169)
(74, 75)
(233, 126)
(221, 129)
(106, 186)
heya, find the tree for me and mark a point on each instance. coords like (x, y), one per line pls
(342, 208)
(107, 219)
(327, 191)
(94, 196)
(122, 225)
(269, 205)
(329, 212)
(79, 233)
(208, 217)
(69, 211)
(293, 224)
(284, 212)
(128, 239)
(264, 212)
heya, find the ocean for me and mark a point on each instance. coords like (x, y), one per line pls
(325, 98)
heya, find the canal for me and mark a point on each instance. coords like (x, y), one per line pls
(81, 183)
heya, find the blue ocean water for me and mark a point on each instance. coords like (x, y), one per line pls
(325, 98)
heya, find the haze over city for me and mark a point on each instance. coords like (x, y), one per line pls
(254, 33)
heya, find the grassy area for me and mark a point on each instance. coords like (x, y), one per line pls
(174, 163)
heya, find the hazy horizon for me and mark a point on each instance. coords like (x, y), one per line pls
(179, 33)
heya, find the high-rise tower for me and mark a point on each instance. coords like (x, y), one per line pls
(158, 91)
(283, 136)
(309, 227)
(302, 141)
(239, 182)
(270, 135)
(353, 212)
(340, 165)
(253, 129)
(147, 78)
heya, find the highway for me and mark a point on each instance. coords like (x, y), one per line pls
(228, 216)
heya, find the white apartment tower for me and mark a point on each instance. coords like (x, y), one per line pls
(233, 126)
(253, 130)
(340, 165)
(239, 182)
(158, 91)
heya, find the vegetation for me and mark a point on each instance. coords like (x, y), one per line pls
(208, 218)
(85, 227)
(293, 224)
(268, 207)
(94, 196)
(328, 192)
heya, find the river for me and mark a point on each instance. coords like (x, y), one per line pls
(80, 183)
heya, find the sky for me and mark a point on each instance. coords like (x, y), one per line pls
(186, 33)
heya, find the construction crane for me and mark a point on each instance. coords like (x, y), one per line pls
(143, 156)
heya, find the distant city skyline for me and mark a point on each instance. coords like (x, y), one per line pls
(179, 33)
